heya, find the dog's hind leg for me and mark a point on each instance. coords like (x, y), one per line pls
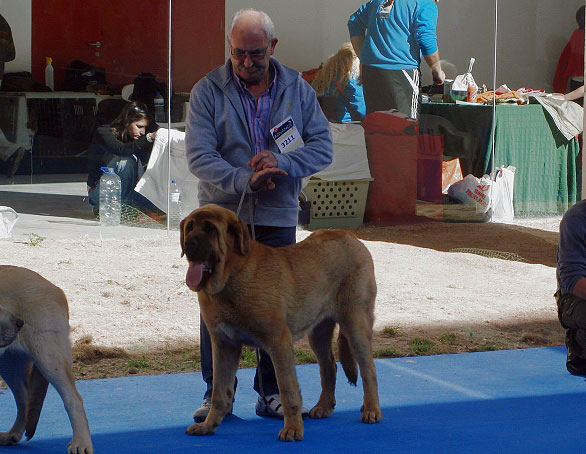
(320, 340)
(226, 357)
(14, 369)
(358, 331)
(37, 390)
(52, 357)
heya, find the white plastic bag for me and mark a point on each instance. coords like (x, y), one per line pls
(472, 190)
(8, 218)
(463, 81)
(502, 194)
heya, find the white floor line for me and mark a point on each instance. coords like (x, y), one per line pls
(446, 384)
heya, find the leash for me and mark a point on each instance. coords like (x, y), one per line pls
(250, 200)
(251, 215)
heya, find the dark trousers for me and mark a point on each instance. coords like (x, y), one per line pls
(390, 89)
(572, 316)
(271, 236)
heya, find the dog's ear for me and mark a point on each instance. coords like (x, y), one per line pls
(182, 236)
(241, 236)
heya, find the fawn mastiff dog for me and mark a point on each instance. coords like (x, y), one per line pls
(35, 350)
(267, 297)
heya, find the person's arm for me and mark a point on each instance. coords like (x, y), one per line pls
(571, 257)
(203, 132)
(577, 93)
(580, 288)
(357, 42)
(437, 73)
(106, 138)
(425, 34)
(357, 26)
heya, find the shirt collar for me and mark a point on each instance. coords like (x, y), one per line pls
(242, 85)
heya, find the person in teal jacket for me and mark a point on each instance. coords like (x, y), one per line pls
(338, 86)
(389, 37)
(254, 114)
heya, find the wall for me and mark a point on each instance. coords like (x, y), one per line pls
(18, 15)
(64, 29)
(198, 41)
(532, 34)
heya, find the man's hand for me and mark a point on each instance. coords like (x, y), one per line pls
(266, 168)
(438, 77)
(264, 178)
(263, 160)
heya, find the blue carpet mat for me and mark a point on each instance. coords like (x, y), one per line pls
(506, 401)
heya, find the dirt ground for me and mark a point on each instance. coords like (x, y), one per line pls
(525, 244)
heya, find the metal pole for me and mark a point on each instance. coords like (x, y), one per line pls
(169, 91)
(583, 194)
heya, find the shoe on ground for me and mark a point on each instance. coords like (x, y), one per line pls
(201, 413)
(271, 406)
(576, 365)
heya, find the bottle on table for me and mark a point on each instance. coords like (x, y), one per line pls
(49, 73)
(175, 214)
(110, 198)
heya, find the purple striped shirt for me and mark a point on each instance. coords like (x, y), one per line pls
(257, 112)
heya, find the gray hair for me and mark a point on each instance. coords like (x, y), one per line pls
(265, 20)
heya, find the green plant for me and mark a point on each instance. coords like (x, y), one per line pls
(449, 338)
(36, 240)
(304, 357)
(390, 331)
(388, 352)
(487, 348)
(248, 357)
(141, 363)
(421, 346)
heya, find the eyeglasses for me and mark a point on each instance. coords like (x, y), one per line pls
(254, 55)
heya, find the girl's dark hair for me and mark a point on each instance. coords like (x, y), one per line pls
(130, 113)
(580, 17)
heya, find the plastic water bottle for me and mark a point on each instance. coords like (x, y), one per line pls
(175, 213)
(49, 73)
(159, 108)
(110, 203)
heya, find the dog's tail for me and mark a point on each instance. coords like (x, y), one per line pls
(37, 390)
(347, 359)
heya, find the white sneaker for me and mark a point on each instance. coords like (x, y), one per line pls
(201, 413)
(271, 406)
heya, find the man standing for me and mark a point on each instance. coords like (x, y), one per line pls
(254, 125)
(389, 37)
(571, 281)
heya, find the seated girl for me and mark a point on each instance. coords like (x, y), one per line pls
(123, 145)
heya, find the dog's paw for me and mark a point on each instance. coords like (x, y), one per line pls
(198, 429)
(9, 438)
(371, 416)
(77, 447)
(319, 412)
(291, 433)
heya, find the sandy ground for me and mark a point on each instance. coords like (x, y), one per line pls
(128, 290)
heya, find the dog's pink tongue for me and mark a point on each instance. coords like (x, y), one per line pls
(194, 274)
